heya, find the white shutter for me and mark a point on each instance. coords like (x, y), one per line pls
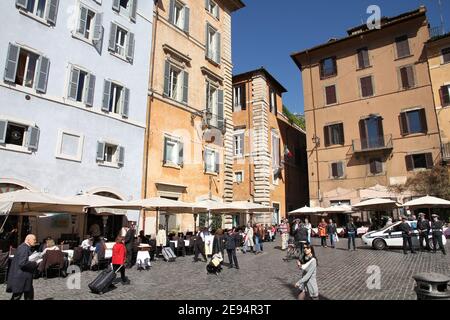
(100, 151)
(11, 63)
(73, 85)
(106, 95)
(116, 5)
(186, 19)
(52, 11)
(42, 75)
(130, 47)
(83, 21)
(207, 41)
(166, 78)
(218, 46)
(185, 87)
(98, 28)
(126, 103)
(89, 97)
(121, 158)
(217, 161)
(220, 111)
(22, 4)
(3, 127)
(133, 10)
(112, 37)
(180, 153)
(33, 138)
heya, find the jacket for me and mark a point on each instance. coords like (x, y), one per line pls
(423, 225)
(20, 277)
(301, 234)
(437, 226)
(351, 227)
(405, 228)
(218, 244)
(331, 228)
(322, 229)
(249, 237)
(51, 258)
(309, 279)
(119, 254)
(232, 241)
(129, 238)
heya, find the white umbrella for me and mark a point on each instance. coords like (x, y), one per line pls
(215, 206)
(338, 209)
(307, 210)
(377, 203)
(170, 206)
(5, 207)
(251, 207)
(428, 202)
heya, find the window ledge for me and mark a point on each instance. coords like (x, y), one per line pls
(445, 63)
(109, 165)
(34, 17)
(213, 16)
(211, 173)
(81, 38)
(114, 115)
(118, 56)
(175, 100)
(217, 64)
(365, 68)
(172, 166)
(241, 156)
(328, 77)
(68, 158)
(415, 134)
(12, 147)
(404, 57)
(332, 104)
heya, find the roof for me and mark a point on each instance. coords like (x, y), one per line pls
(266, 73)
(234, 5)
(362, 29)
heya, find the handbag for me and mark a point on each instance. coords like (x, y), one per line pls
(336, 238)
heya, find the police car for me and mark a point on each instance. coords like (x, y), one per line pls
(391, 236)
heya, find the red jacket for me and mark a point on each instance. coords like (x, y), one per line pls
(119, 254)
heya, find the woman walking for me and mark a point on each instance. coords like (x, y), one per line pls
(323, 233)
(308, 227)
(119, 256)
(308, 282)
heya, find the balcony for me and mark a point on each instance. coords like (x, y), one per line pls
(446, 151)
(380, 143)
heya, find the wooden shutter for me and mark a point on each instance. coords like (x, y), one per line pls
(3, 128)
(380, 138)
(42, 76)
(403, 124)
(366, 86)
(116, 5)
(172, 11)
(340, 166)
(11, 63)
(411, 78)
(220, 112)
(402, 46)
(33, 138)
(243, 98)
(83, 21)
(373, 166)
(330, 93)
(429, 160)
(334, 170)
(218, 46)
(321, 69)
(73, 85)
(121, 158)
(112, 37)
(404, 78)
(106, 95)
(52, 11)
(166, 78)
(22, 4)
(409, 162)
(218, 12)
(126, 103)
(446, 55)
(363, 58)
(98, 28)
(185, 87)
(363, 134)
(186, 19)
(89, 100)
(165, 158)
(130, 47)
(217, 161)
(423, 121)
(379, 166)
(326, 134)
(444, 93)
(133, 10)
(207, 41)
(334, 65)
(100, 151)
(180, 153)
(341, 133)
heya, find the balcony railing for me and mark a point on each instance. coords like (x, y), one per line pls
(446, 151)
(436, 31)
(373, 143)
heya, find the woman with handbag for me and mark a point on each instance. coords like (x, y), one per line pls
(308, 282)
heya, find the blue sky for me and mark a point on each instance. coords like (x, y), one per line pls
(266, 32)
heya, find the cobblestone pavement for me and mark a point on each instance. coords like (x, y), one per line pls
(341, 274)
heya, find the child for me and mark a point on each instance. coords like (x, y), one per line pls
(119, 255)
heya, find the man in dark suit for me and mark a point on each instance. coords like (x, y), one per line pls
(129, 244)
(406, 235)
(20, 278)
(232, 241)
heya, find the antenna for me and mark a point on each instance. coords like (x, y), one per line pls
(442, 17)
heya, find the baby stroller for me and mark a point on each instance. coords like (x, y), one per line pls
(214, 266)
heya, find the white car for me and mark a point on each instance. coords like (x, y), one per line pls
(391, 236)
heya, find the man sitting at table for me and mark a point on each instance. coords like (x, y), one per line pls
(88, 248)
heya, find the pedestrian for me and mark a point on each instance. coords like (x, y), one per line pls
(161, 239)
(218, 243)
(143, 239)
(199, 246)
(322, 229)
(389, 222)
(119, 256)
(257, 239)
(351, 233)
(437, 229)
(308, 281)
(284, 230)
(332, 232)
(301, 237)
(231, 242)
(20, 277)
(262, 236)
(129, 244)
(308, 227)
(248, 238)
(423, 226)
(406, 230)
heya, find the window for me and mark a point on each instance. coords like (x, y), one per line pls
(173, 151)
(330, 95)
(121, 42)
(90, 26)
(81, 86)
(419, 161)
(402, 46)
(366, 86)
(276, 163)
(413, 121)
(179, 15)
(176, 83)
(211, 161)
(110, 154)
(17, 134)
(26, 68)
(43, 9)
(214, 105)
(70, 146)
(212, 8)
(273, 101)
(376, 166)
(239, 143)
(363, 58)
(334, 134)
(239, 177)
(337, 170)
(371, 132)
(446, 55)
(116, 99)
(407, 77)
(126, 7)
(328, 68)
(239, 102)
(212, 44)
(444, 92)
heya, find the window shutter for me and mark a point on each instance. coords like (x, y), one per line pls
(321, 68)
(429, 159)
(409, 163)
(100, 151)
(112, 37)
(133, 10)
(33, 138)
(378, 166)
(341, 133)
(206, 4)
(243, 98)
(423, 121)
(366, 86)
(207, 41)
(403, 124)
(404, 78)
(380, 138)
(220, 115)
(106, 95)
(186, 19)
(126, 103)
(73, 85)
(185, 87)
(360, 59)
(402, 46)
(130, 47)
(218, 13)
(218, 46)
(22, 4)
(98, 29)
(180, 154)
(334, 170)
(411, 79)
(166, 78)
(52, 11)
(326, 134)
(90, 91)
(441, 95)
(363, 134)
(11, 63)
(44, 67)
(121, 159)
(334, 66)
(373, 166)
(205, 159)
(165, 157)
(217, 162)
(340, 169)
(83, 21)
(444, 92)
(330, 93)
(116, 5)
(172, 11)
(3, 127)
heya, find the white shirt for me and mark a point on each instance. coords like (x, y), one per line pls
(87, 244)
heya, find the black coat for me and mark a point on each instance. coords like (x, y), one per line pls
(20, 277)
(405, 228)
(218, 244)
(232, 241)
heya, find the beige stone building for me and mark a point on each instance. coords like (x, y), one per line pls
(369, 105)
(269, 152)
(438, 52)
(189, 141)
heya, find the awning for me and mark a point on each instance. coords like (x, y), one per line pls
(377, 204)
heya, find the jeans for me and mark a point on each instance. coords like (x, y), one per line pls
(257, 244)
(284, 240)
(323, 241)
(232, 256)
(351, 237)
(332, 240)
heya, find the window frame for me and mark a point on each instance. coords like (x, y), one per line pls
(273, 103)
(429, 161)
(444, 54)
(413, 71)
(90, 40)
(177, 142)
(358, 66)
(115, 85)
(326, 104)
(396, 42)
(375, 159)
(214, 152)
(58, 151)
(275, 135)
(443, 96)
(328, 132)
(332, 177)
(24, 148)
(32, 52)
(238, 133)
(405, 131)
(241, 106)
(361, 94)
(322, 70)
(210, 9)
(242, 176)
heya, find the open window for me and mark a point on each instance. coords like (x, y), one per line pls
(45, 10)
(18, 136)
